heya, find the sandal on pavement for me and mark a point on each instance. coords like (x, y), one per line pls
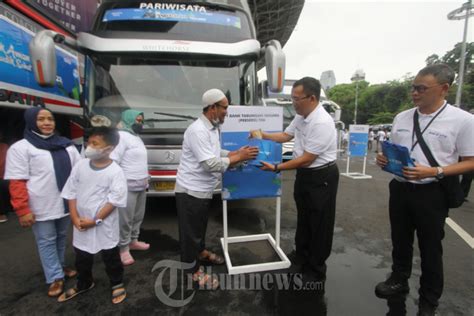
(118, 293)
(56, 288)
(69, 273)
(211, 257)
(73, 292)
(205, 280)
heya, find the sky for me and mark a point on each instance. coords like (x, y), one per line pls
(386, 39)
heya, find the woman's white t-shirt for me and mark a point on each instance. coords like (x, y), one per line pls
(131, 155)
(26, 162)
(93, 188)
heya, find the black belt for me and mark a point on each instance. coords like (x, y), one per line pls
(329, 164)
(419, 186)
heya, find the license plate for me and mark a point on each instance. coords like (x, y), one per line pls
(164, 185)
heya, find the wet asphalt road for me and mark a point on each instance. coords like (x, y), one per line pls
(360, 259)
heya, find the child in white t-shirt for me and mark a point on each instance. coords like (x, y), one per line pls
(95, 189)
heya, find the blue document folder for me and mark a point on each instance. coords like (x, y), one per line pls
(267, 151)
(398, 157)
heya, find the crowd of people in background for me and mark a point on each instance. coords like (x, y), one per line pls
(377, 135)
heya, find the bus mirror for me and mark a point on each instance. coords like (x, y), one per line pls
(43, 58)
(275, 65)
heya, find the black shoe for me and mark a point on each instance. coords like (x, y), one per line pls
(392, 286)
(426, 309)
(297, 263)
(397, 305)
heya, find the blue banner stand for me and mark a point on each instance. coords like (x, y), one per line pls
(240, 120)
(359, 136)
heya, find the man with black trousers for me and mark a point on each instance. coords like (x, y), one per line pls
(417, 200)
(466, 184)
(317, 177)
(199, 172)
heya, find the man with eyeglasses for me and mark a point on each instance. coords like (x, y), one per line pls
(201, 164)
(417, 201)
(317, 178)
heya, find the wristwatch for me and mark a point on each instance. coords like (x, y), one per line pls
(98, 221)
(440, 174)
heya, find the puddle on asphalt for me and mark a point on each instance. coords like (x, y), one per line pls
(351, 279)
(349, 290)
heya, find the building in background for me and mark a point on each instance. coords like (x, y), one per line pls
(328, 80)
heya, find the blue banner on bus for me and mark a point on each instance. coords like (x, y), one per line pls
(17, 71)
(129, 14)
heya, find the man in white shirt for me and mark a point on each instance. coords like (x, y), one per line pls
(418, 201)
(345, 139)
(371, 139)
(201, 165)
(380, 139)
(317, 177)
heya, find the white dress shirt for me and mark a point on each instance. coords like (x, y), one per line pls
(450, 136)
(315, 134)
(201, 144)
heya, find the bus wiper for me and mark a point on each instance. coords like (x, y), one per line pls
(188, 117)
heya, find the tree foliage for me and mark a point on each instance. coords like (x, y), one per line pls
(379, 103)
(453, 59)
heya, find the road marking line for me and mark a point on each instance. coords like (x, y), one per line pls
(461, 232)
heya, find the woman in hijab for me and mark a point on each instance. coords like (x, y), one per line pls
(131, 155)
(38, 167)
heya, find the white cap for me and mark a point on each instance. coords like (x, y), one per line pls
(212, 96)
(100, 120)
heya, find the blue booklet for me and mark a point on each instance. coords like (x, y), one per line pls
(398, 157)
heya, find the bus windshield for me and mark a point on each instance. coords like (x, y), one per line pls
(169, 94)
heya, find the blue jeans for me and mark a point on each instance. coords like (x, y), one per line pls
(51, 242)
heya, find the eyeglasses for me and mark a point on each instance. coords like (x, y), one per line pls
(422, 88)
(221, 106)
(297, 99)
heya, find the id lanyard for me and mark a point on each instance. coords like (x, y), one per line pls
(413, 143)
